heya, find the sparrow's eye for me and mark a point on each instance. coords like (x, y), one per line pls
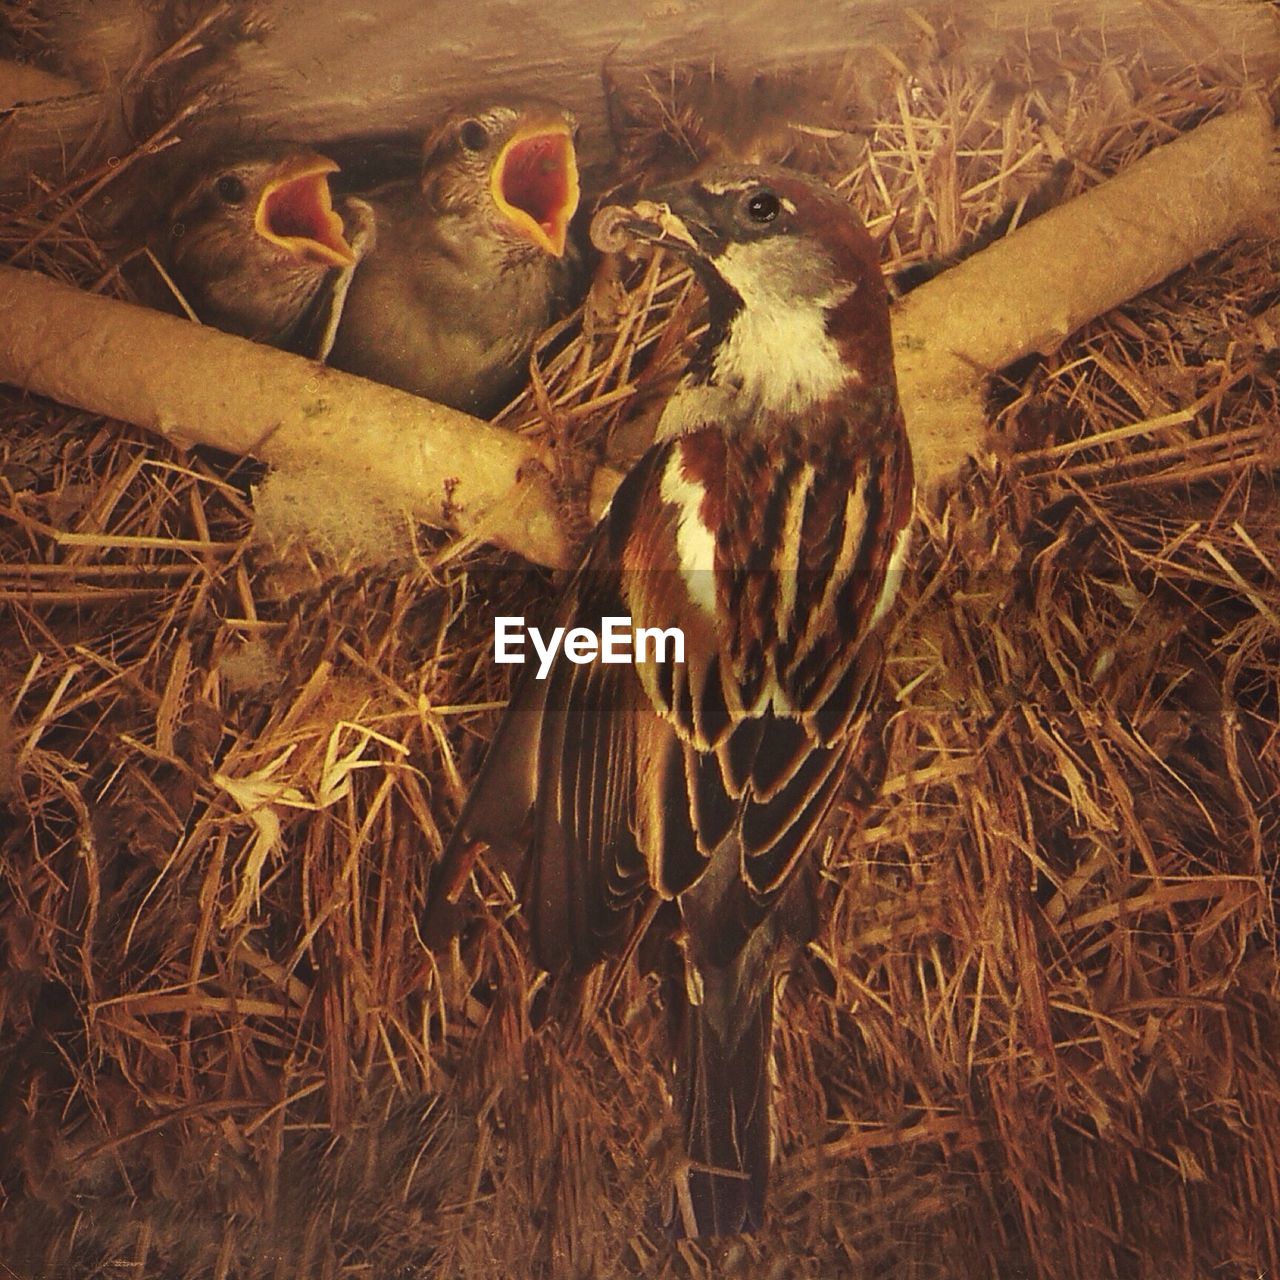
(764, 206)
(230, 189)
(473, 135)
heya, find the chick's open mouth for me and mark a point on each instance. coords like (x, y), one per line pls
(535, 185)
(295, 211)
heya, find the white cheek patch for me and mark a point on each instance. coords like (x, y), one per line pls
(778, 350)
(783, 360)
(695, 542)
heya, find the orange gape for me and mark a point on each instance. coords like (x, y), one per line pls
(471, 260)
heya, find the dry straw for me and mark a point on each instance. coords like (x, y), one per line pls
(1037, 1032)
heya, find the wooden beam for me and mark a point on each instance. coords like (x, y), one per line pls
(335, 68)
(326, 70)
(329, 70)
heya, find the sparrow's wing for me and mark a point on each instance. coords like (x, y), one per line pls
(556, 797)
(769, 721)
(807, 548)
(586, 871)
(619, 778)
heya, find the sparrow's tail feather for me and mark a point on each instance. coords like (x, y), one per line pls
(722, 1077)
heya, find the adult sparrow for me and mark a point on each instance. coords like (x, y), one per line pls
(769, 523)
(256, 248)
(471, 260)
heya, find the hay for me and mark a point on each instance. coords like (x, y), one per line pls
(1037, 1032)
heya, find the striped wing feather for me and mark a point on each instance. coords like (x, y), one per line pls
(805, 534)
(631, 777)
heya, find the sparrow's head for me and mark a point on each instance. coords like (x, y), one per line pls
(282, 202)
(251, 239)
(798, 301)
(512, 163)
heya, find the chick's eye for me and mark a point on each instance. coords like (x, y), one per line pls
(473, 135)
(763, 207)
(230, 189)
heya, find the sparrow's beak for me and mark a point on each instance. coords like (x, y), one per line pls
(534, 183)
(295, 211)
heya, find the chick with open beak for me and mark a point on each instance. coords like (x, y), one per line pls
(255, 246)
(471, 262)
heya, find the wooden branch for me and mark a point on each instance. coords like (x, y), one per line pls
(1034, 288)
(383, 449)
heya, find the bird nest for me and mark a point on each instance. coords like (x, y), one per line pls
(1036, 1033)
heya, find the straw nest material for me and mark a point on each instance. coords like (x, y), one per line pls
(1037, 1034)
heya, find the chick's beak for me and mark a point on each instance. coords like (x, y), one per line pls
(534, 183)
(295, 211)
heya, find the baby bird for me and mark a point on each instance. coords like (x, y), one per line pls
(256, 248)
(471, 262)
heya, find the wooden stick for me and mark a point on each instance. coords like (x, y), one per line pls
(1031, 290)
(380, 446)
